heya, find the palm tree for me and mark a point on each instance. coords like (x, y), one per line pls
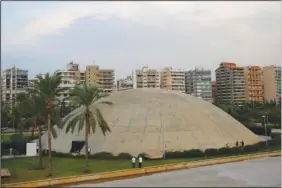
(33, 110)
(48, 88)
(87, 96)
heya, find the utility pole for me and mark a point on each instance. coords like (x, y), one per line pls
(264, 122)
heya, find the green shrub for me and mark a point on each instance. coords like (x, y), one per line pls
(174, 155)
(103, 155)
(125, 156)
(194, 153)
(211, 152)
(17, 137)
(229, 151)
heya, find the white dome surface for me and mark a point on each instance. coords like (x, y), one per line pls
(153, 120)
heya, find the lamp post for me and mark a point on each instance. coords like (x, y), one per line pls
(264, 122)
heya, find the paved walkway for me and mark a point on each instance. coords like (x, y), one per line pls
(259, 172)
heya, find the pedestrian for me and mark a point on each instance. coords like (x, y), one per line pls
(11, 151)
(133, 160)
(242, 143)
(89, 150)
(37, 149)
(140, 161)
(237, 144)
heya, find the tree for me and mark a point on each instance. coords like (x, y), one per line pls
(87, 96)
(33, 110)
(5, 114)
(48, 88)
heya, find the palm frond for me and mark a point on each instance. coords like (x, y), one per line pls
(102, 122)
(92, 122)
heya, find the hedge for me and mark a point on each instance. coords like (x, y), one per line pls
(259, 130)
(276, 141)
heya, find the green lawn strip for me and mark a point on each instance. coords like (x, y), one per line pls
(23, 169)
(7, 136)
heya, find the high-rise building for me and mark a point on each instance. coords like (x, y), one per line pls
(173, 79)
(68, 81)
(198, 83)
(13, 81)
(146, 78)
(253, 84)
(272, 83)
(214, 91)
(126, 83)
(105, 78)
(230, 84)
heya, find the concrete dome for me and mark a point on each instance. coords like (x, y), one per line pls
(153, 120)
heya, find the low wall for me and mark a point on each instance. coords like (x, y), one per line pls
(136, 172)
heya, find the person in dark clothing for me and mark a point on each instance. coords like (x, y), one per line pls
(237, 144)
(242, 143)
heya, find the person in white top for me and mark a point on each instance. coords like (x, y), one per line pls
(89, 150)
(133, 160)
(140, 162)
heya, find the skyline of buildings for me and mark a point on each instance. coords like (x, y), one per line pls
(233, 85)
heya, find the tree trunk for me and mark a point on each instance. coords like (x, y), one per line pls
(40, 147)
(49, 144)
(32, 131)
(86, 143)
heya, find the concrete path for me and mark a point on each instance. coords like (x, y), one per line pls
(259, 172)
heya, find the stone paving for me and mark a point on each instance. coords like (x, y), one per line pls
(258, 172)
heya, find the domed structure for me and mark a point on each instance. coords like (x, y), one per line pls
(152, 121)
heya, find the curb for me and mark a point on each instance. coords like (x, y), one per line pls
(139, 172)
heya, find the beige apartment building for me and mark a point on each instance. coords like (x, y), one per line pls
(146, 78)
(253, 84)
(173, 79)
(105, 78)
(272, 83)
(230, 84)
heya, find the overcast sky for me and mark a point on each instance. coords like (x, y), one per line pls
(45, 36)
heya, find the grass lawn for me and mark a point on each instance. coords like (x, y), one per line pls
(7, 136)
(23, 169)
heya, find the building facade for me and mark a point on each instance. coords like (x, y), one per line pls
(173, 79)
(230, 84)
(13, 81)
(214, 91)
(198, 83)
(105, 78)
(126, 83)
(146, 78)
(272, 83)
(253, 84)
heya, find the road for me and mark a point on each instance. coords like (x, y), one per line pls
(258, 172)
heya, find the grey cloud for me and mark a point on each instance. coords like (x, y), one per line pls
(126, 45)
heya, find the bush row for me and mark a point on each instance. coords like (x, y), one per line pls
(259, 130)
(20, 147)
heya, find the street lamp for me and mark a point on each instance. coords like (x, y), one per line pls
(264, 122)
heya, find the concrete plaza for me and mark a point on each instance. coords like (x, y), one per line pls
(259, 172)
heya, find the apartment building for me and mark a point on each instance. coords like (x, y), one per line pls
(173, 79)
(272, 83)
(126, 83)
(68, 81)
(146, 78)
(230, 84)
(253, 84)
(13, 81)
(105, 78)
(198, 83)
(214, 91)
